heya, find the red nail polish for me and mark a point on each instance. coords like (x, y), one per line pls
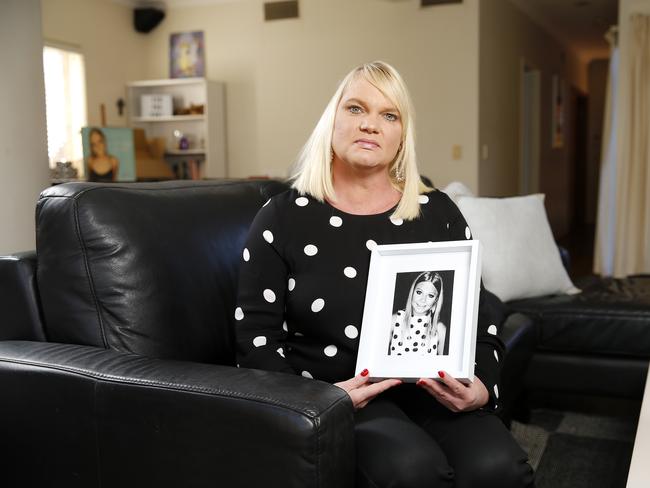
(419, 382)
(364, 372)
(441, 374)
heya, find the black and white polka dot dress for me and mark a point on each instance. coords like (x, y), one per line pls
(412, 335)
(303, 280)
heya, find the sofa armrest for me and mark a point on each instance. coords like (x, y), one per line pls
(519, 334)
(84, 416)
(21, 316)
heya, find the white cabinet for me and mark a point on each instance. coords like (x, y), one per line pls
(204, 131)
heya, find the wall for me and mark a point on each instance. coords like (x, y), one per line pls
(279, 75)
(23, 155)
(113, 51)
(507, 36)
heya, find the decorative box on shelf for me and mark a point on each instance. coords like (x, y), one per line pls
(156, 105)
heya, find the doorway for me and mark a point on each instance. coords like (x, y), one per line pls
(529, 123)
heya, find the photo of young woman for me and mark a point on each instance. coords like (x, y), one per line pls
(421, 327)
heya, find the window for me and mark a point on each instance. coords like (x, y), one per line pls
(65, 104)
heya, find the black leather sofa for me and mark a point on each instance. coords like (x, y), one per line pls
(592, 345)
(117, 365)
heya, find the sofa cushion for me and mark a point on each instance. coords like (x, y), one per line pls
(147, 268)
(610, 317)
(520, 258)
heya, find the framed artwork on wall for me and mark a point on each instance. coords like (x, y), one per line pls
(186, 55)
(421, 311)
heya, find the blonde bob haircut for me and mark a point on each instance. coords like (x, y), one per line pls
(312, 171)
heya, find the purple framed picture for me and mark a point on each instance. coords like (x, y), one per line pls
(186, 55)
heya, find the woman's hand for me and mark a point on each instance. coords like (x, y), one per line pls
(361, 391)
(456, 396)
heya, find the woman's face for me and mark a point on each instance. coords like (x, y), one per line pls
(424, 296)
(367, 128)
(97, 144)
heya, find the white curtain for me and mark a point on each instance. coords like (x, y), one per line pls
(65, 104)
(623, 230)
(633, 177)
(606, 219)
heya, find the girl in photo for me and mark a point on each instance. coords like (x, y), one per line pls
(417, 329)
(102, 166)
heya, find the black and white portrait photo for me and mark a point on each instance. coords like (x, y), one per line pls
(421, 310)
(421, 313)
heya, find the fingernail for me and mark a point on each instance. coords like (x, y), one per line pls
(441, 374)
(364, 372)
(419, 382)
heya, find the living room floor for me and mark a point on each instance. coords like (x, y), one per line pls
(575, 441)
(577, 450)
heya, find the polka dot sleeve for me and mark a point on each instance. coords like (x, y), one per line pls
(489, 347)
(261, 296)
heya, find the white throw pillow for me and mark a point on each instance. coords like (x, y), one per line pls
(456, 189)
(520, 257)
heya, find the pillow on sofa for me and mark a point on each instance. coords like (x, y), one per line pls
(456, 189)
(520, 257)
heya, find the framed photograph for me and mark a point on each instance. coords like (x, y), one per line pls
(186, 55)
(421, 311)
(109, 153)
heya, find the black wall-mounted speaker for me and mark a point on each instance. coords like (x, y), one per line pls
(145, 19)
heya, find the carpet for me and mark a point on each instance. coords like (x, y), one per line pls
(574, 450)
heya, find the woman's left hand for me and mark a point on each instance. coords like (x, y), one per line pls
(456, 396)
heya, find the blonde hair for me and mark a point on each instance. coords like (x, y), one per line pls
(434, 312)
(312, 171)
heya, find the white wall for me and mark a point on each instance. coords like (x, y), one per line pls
(279, 75)
(23, 155)
(114, 52)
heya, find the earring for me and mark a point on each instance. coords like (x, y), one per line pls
(399, 174)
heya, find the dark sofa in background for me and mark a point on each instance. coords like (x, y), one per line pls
(117, 364)
(592, 345)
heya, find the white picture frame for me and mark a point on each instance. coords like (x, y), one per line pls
(395, 278)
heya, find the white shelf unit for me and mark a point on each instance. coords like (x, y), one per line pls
(206, 131)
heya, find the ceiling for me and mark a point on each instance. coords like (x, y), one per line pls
(578, 24)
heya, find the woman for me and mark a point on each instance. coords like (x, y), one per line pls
(417, 329)
(303, 281)
(102, 166)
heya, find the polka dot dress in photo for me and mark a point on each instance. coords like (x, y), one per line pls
(412, 336)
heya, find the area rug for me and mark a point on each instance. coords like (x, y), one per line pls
(573, 450)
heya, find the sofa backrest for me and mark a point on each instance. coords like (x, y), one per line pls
(148, 268)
